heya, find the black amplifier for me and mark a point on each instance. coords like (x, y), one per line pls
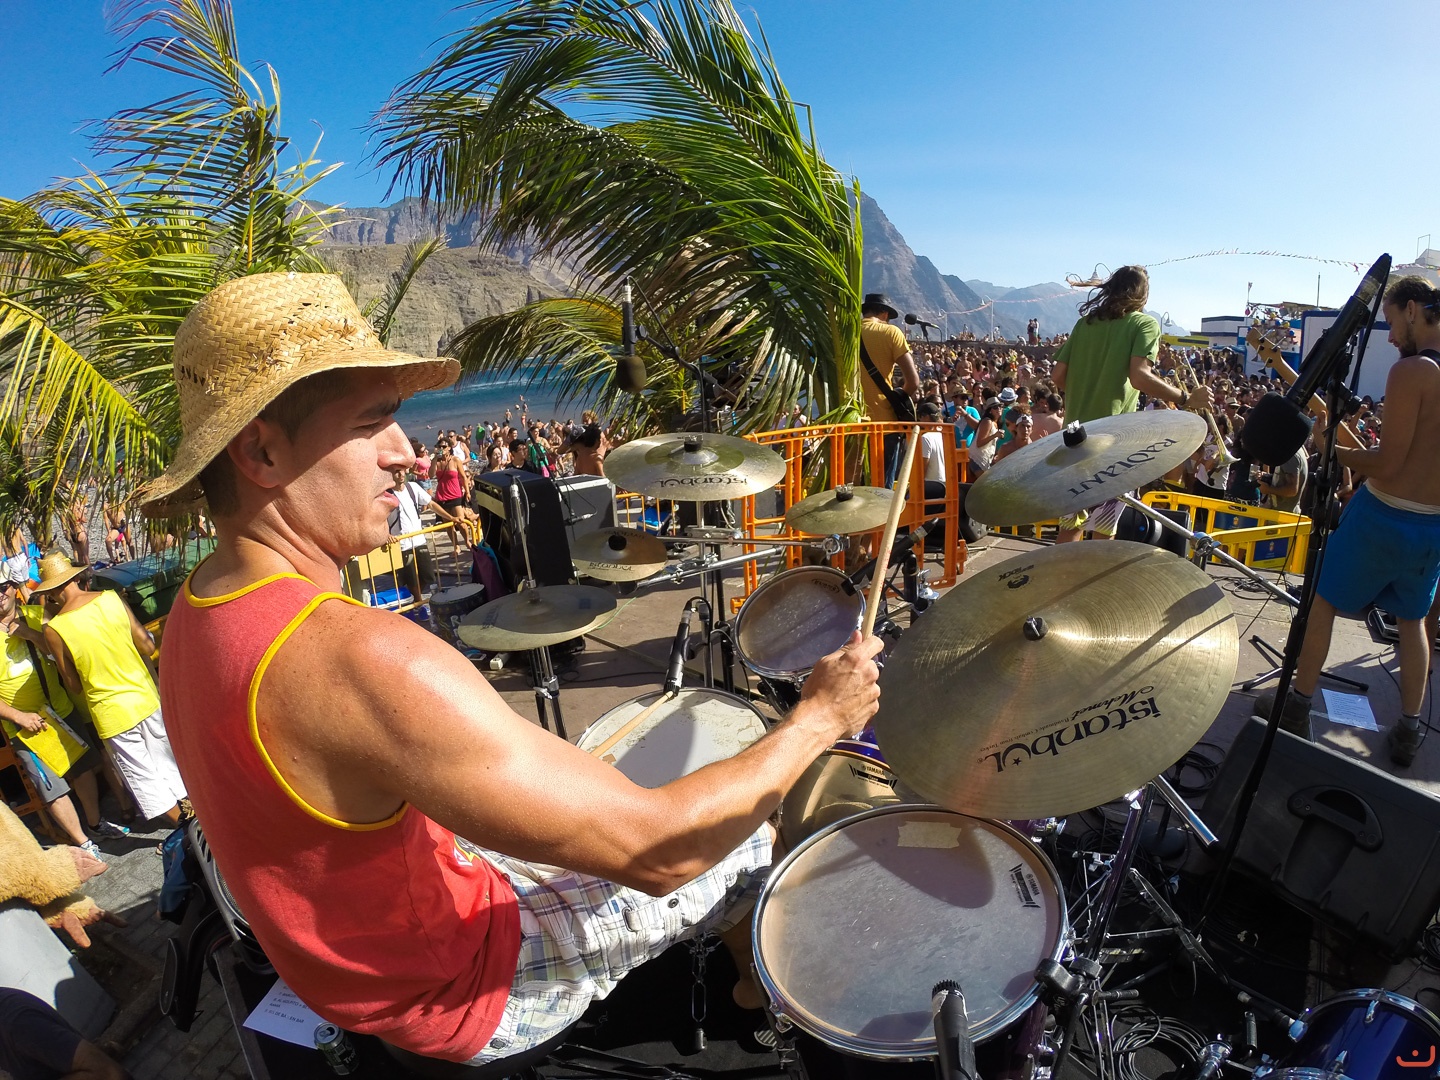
(546, 536)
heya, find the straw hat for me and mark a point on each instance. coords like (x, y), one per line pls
(55, 570)
(243, 344)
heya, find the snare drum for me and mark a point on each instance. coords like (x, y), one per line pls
(792, 620)
(697, 728)
(1362, 1035)
(449, 606)
(859, 922)
(849, 778)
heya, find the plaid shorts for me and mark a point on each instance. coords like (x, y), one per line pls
(580, 934)
(1103, 519)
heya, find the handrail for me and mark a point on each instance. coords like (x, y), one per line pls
(394, 560)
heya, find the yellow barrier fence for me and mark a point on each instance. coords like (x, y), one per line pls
(1261, 538)
(378, 577)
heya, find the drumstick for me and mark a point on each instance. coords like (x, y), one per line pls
(634, 722)
(882, 559)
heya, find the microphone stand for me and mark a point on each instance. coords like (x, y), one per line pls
(1327, 477)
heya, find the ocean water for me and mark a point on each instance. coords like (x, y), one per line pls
(474, 401)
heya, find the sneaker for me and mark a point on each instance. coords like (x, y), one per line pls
(109, 829)
(90, 847)
(1295, 718)
(1403, 742)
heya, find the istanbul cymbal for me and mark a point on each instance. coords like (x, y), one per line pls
(536, 617)
(1052, 478)
(844, 510)
(1057, 680)
(618, 554)
(693, 467)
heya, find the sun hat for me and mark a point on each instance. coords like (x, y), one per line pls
(244, 344)
(1007, 395)
(55, 570)
(880, 300)
(989, 404)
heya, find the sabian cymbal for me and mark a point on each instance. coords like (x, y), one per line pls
(531, 619)
(1057, 680)
(693, 467)
(618, 554)
(1050, 478)
(844, 510)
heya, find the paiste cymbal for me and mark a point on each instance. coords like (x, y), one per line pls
(1050, 478)
(1057, 680)
(844, 510)
(693, 467)
(536, 617)
(618, 554)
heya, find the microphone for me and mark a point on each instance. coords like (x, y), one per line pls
(630, 373)
(675, 674)
(1277, 426)
(915, 320)
(952, 1032)
(897, 551)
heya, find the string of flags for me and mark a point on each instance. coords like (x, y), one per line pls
(1355, 266)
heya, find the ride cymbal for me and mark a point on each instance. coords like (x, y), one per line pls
(844, 510)
(536, 617)
(1051, 478)
(694, 467)
(1057, 680)
(618, 554)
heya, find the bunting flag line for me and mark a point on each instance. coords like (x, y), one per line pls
(1355, 266)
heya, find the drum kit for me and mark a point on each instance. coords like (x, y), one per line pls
(1057, 681)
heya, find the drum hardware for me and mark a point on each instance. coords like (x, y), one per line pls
(709, 534)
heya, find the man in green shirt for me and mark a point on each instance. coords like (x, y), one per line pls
(1104, 366)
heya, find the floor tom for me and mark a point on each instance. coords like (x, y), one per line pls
(698, 727)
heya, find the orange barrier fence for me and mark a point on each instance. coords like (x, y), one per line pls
(824, 456)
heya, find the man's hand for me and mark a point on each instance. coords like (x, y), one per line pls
(29, 722)
(1200, 399)
(841, 691)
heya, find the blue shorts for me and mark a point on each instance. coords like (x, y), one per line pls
(1383, 556)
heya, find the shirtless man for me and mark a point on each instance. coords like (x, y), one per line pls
(1387, 548)
(590, 446)
(414, 870)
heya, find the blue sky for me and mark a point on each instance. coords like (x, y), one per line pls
(1011, 141)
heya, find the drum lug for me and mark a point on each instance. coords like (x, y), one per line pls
(1370, 1012)
(1297, 1030)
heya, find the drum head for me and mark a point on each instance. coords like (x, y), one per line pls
(458, 594)
(794, 619)
(858, 924)
(695, 729)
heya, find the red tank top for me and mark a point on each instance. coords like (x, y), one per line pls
(397, 928)
(448, 482)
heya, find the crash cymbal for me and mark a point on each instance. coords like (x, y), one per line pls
(618, 554)
(693, 467)
(1050, 478)
(844, 510)
(546, 615)
(1057, 680)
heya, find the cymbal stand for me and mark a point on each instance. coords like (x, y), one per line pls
(543, 679)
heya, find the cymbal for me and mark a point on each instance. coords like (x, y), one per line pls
(1050, 479)
(844, 510)
(618, 554)
(1057, 680)
(693, 467)
(546, 615)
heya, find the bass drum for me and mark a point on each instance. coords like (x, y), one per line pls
(859, 922)
(792, 620)
(697, 728)
(1362, 1035)
(848, 779)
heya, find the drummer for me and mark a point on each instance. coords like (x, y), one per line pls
(457, 881)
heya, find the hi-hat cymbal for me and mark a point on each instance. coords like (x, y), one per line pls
(618, 554)
(1050, 478)
(1057, 680)
(844, 510)
(693, 467)
(537, 617)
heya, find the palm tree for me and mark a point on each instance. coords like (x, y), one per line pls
(655, 141)
(97, 272)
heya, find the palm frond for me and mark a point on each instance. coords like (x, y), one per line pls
(381, 310)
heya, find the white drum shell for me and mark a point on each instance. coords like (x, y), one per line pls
(698, 727)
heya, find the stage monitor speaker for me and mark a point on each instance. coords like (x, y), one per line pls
(587, 502)
(548, 542)
(1339, 839)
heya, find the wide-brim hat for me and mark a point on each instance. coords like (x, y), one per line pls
(248, 341)
(880, 300)
(55, 570)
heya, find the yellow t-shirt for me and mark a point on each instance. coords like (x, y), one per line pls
(20, 686)
(886, 344)
(119, 692)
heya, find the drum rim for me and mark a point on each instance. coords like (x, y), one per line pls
(438, 594)
(925, 1049)
(651, 696)
(1376, 994)
(790, 674)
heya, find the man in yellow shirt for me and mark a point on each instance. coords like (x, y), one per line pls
(888, 349)
(101, 652)
(53, 742)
